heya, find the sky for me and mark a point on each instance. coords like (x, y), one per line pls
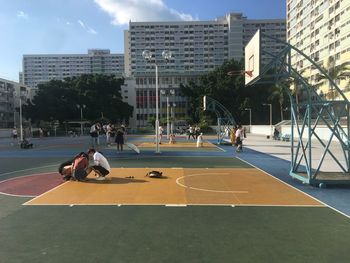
(74, 26)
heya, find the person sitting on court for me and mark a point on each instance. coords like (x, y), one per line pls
(101, 166)
(73, 168)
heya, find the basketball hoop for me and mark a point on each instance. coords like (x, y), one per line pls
(240, 72)
(249, 73)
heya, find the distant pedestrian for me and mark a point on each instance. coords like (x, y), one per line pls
(14, 136)
(197, 131)
(233, 136)
(119, 139)
(200, 140)
(160, 134)
(191, 133)
(94, 133)
(41, 132)
(239, 139)
(172, 139)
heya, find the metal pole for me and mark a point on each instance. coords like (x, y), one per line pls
(172, 120)
(20, 118)
(81, 120)
(157, 112)
(250, 120)
(167, 117)
(271, 120)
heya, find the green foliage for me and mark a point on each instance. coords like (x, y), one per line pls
(231, 92)
(58, 100)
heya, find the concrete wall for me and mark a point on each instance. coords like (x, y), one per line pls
(322, 131)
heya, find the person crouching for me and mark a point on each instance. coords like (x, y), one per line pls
(101, 166)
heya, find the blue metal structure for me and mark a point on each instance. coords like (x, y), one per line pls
(225, 120)
(306, 118)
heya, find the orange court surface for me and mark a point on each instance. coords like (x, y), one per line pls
(180, 186)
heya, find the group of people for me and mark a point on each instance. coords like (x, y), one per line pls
(78, 168)
(237, 134)
(113, 134)
(193, 132)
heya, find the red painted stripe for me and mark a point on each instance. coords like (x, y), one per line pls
(31, 185)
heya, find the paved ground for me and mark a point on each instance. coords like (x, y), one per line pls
(113, 233)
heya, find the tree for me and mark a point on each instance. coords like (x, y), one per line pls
(230, 91)
(59, 99)
(335, 73)
(280, 95)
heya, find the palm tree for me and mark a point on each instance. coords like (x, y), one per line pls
(280, 94)
(335, 73)
(294, 81)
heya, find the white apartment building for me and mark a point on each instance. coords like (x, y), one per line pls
(10, 93)
(273, 27)
(321, 30)
(198, 47)
(42, 68)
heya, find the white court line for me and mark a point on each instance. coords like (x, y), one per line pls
(217, 146)
(46, 192)
(207, 190)
(14, 178)
(29, 169)
(340, 212)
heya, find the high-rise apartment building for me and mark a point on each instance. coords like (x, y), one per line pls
(43, 68)
(10, 94)
(321, 30)
(198, 47)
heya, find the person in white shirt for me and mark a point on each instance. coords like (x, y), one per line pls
(14, 136)
(101, 166)
(160, 131)
(200, 140)
(239, 139)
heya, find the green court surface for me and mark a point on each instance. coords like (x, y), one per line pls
(159, 233)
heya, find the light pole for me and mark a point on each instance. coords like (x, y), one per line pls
(269, 104)
(167, 92)
(147, 55)
(81, 118)
(250, 118)
(173, 117)
(20, 114)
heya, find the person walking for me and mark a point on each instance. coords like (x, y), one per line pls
(160, 134)
(14, 136)
(239, 139)
(94, 133)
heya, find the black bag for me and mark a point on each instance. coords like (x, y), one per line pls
(154, 174)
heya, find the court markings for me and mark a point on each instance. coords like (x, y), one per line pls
(46, 192)
(29, 169)
(325, 204)
(203, 189)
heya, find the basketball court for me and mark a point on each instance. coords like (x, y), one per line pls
(209, 207)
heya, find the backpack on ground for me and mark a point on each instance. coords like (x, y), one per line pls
(155, 174)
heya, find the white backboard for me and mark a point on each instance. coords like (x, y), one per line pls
(252, 58)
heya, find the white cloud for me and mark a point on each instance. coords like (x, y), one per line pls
(22, 15)
(87, 28)
(122, 11)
